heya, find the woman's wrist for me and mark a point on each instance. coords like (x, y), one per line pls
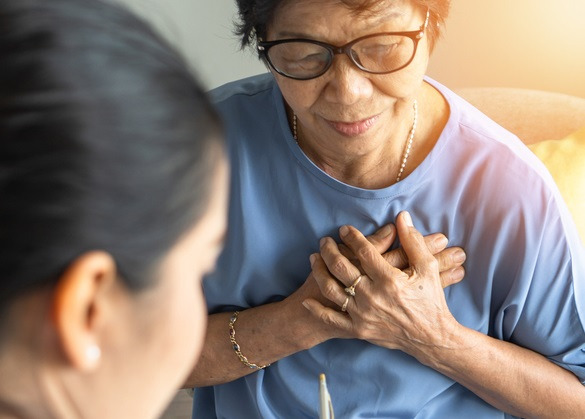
(280, 330)
(236, 346)
(305, 330)
(448, 344)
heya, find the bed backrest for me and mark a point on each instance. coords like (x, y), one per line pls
(532, 115)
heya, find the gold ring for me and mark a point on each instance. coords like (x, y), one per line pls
(351, 289)
(344, 306)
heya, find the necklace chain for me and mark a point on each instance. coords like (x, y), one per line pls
(407, 147)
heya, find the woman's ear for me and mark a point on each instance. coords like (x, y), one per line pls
(79, 305)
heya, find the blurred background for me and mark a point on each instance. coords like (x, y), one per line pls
(497, 43)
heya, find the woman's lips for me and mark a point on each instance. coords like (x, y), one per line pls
(353, 129)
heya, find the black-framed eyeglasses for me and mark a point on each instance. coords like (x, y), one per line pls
(378, 53)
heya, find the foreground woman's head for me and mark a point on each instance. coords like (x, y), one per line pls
(113, 190)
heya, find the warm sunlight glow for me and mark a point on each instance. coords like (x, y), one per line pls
(521, 43)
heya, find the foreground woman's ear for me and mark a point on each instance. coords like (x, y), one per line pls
(80, 305)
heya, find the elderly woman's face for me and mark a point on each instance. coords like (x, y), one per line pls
(346, 102)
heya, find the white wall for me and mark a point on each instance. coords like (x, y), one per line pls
(534, 44)
(203, 31)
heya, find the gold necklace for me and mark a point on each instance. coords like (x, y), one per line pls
(407, 147)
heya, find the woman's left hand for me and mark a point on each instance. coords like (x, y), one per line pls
(396, 309)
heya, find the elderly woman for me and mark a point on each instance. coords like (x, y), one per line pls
(348, 130)
(113, 205)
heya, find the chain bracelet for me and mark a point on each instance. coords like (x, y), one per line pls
(236, 347)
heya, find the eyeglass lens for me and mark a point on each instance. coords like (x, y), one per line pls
(376, 54)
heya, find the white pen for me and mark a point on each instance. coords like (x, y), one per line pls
(325, 405)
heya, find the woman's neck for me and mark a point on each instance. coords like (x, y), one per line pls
(353, 163)
(20, 395)
(29, 384)
(371, 171)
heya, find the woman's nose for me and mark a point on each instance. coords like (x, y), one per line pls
(347, 84)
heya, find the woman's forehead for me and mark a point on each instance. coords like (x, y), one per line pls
(303, 17)
(365, 7)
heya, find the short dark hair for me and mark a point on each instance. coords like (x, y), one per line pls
(256, 15)
(107, 142)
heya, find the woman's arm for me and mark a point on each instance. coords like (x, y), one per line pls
(273, 331)
(265, 334)
(408, 311)
(511, 378)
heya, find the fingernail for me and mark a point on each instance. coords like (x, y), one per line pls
(458, 274)
(322, 242)
(305, 304)
(343, 231)
(441, 241)
(312, 259)
(459, 256)
(407, 219)
(386, 230)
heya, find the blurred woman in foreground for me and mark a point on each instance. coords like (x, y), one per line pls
(113, 186)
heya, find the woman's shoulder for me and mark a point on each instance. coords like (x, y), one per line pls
(489, 160)
(479, 137)
(469, 120)
(246, 105)
(239, 90)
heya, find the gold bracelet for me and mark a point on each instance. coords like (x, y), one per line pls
(236, 347)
